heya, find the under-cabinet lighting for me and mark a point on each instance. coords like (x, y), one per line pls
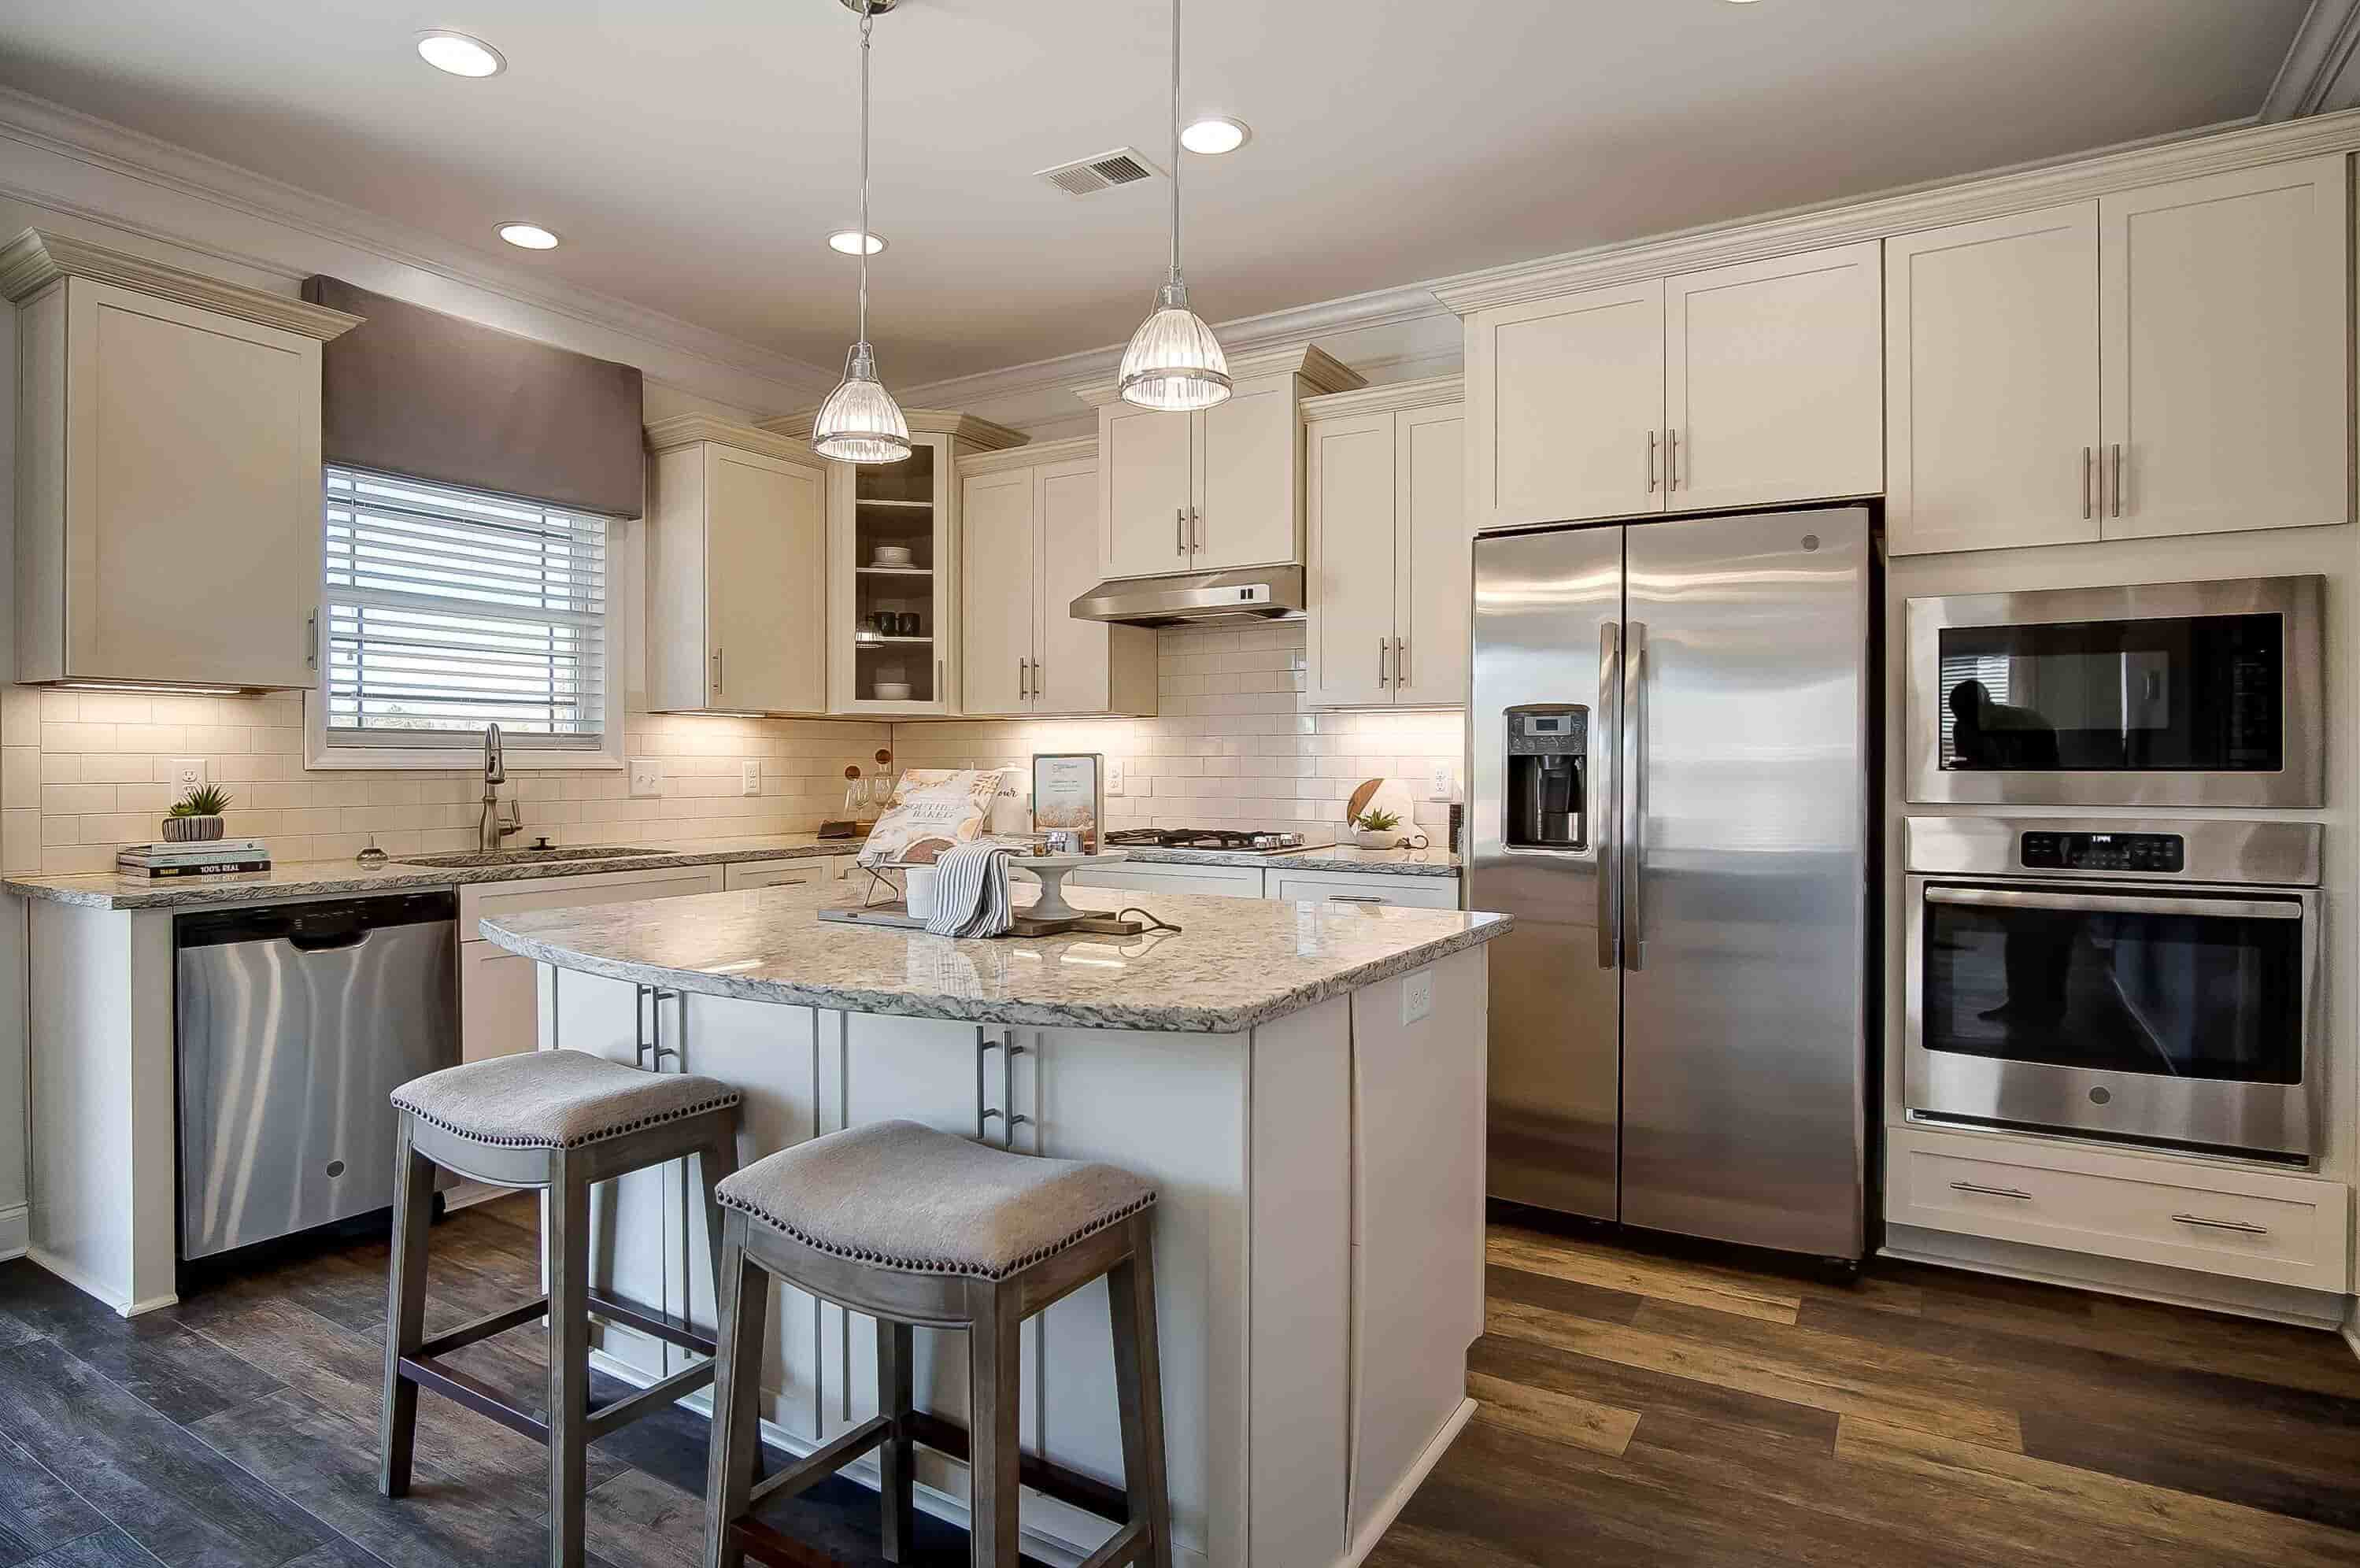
(161, 688)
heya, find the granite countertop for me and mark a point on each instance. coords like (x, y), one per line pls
(1235, 964)
(305, 878)
(1328, 857)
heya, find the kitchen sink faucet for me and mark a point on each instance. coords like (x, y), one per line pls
(495, 827)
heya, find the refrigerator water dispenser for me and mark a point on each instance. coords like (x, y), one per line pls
(1548, 755)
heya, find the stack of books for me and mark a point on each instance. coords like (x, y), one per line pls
(212, 857)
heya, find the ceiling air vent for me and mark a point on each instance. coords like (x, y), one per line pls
(1084, 177)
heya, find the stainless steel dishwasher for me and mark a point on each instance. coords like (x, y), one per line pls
(295, 1023)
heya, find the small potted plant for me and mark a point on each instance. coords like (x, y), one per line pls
(1375, 829)
(196, 816)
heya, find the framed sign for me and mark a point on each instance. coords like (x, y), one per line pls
(1069, 794)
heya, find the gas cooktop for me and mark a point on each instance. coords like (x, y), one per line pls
(1232, 840)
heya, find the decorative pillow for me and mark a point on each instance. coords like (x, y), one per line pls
(934, 809)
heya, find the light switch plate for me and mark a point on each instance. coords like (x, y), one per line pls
(647, 777)
(1441, 779)
(1114, 775)
(750, 777)
(1417, 997)
(188, 773)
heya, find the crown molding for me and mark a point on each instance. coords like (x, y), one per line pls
(1037, 454)
(2317, 75)
(37, 259)
(690, 429)
(2046, 184)
(37, 124)
(1393, 398)
(1313, 363)
(969, 429)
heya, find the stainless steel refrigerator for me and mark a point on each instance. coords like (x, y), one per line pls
(1670, 789)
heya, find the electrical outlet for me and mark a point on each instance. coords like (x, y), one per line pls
(750, 777)
(188, 773)
(647, 777)
(1441, 779)
(1113, 775)
(1417, 997)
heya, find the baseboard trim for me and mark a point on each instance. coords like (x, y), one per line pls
(1403, 1490)
(16, 1231)
(90, 1288)
(2351, 1332)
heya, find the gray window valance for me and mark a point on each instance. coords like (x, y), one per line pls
(414, 392)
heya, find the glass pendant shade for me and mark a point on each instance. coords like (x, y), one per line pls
(1173, 362)
(860, 423)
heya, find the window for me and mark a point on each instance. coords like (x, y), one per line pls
(449, 609)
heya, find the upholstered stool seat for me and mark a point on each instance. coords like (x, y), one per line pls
(910, 1226)
(558, 1120)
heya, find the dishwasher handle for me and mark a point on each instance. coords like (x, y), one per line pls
(328, 941)
(326, 925)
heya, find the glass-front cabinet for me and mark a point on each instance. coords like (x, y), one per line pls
(892, 568)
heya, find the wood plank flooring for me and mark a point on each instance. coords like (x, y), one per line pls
(1664, 1407)
(1670, 1406)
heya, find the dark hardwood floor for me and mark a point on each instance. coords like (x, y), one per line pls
(1637, 1406)
(1669, 1407)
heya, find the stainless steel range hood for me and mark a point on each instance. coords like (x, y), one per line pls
(1182, 598)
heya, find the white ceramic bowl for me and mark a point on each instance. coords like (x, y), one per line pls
(891, 690)
(893, 555)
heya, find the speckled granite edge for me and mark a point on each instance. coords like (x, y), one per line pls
(1331, 858)
(1164, 1017)
(309, 878)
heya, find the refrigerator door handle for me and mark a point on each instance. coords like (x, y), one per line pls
(1606, 746)
(1634, 716)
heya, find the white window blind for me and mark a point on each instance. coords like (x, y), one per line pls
(447, 609)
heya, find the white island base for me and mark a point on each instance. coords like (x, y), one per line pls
(1319, 1238)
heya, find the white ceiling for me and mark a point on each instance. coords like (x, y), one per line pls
(694, 153)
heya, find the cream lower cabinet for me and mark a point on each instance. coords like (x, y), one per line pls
(1386, 550)
(737, 571)
(815, 872)
(1216, 881)
(2170, 360)
(1028, 544)
(168, 499)
(1739, 386)
(1346, 888)
(1218, 488)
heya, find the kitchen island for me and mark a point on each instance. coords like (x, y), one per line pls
(1303, 1082)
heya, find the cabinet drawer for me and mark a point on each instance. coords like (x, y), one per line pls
(1345, 888)
(1221, 881)
(2288, 1230)
(817, 868)
(493, 899)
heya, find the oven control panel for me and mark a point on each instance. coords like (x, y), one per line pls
(2103, 851)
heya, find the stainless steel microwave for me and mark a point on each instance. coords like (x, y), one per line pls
(2156, 694)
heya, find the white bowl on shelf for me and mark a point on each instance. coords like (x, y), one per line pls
(891, 690)
(891, 555)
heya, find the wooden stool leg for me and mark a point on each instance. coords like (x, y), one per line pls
(1139, 1386)
(996, 1403)
(405, 1311)
(896, 1347)
(742, 1311)
(569, 1359)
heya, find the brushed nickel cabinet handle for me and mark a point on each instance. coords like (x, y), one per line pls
(1180, 530)
(1358, 898)
(1401, 664)
(1651, 463)
(1037, 680)
(1991, 1192)
(2088, 462)
(1671, 461)
(2240, 1226)
(1196, 531)
(1381, 661)
(1022, 690)
(311, 640)
(2117, 456)
(716, 670)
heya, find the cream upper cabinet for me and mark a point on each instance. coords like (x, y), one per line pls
(1387, 547)
(1992, 402)
(1218, 488)
(1029, 525)
(1773, 380)
(168, 513)
(2224, 326)
(737, 553)
(1567, 399)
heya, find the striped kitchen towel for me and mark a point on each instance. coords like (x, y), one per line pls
(971, 891)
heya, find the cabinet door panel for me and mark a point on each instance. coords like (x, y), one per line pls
(1353, 544)
(1570, 390)
(1431, 557)
(2225, 304)
(1073, 671)
(193, 456)
(1775, 380)
(764, 527)
(1216, 881)
(996, 528)
(1249, 476)
(1146, 482)
(1991, 347)
(500, 1002)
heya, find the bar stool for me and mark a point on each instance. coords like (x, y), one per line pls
(557, 1120)
(915, 1227)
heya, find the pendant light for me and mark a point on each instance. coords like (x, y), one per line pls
(1173, 362)
(860, 423)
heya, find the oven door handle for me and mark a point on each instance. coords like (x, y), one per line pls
(2111, 904)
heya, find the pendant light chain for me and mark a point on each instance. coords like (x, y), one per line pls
(868, 21)
(1176, 141)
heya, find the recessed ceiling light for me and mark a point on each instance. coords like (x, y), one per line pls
(460, 55)
(847, 242)
(529, 236)
(1214, 133)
